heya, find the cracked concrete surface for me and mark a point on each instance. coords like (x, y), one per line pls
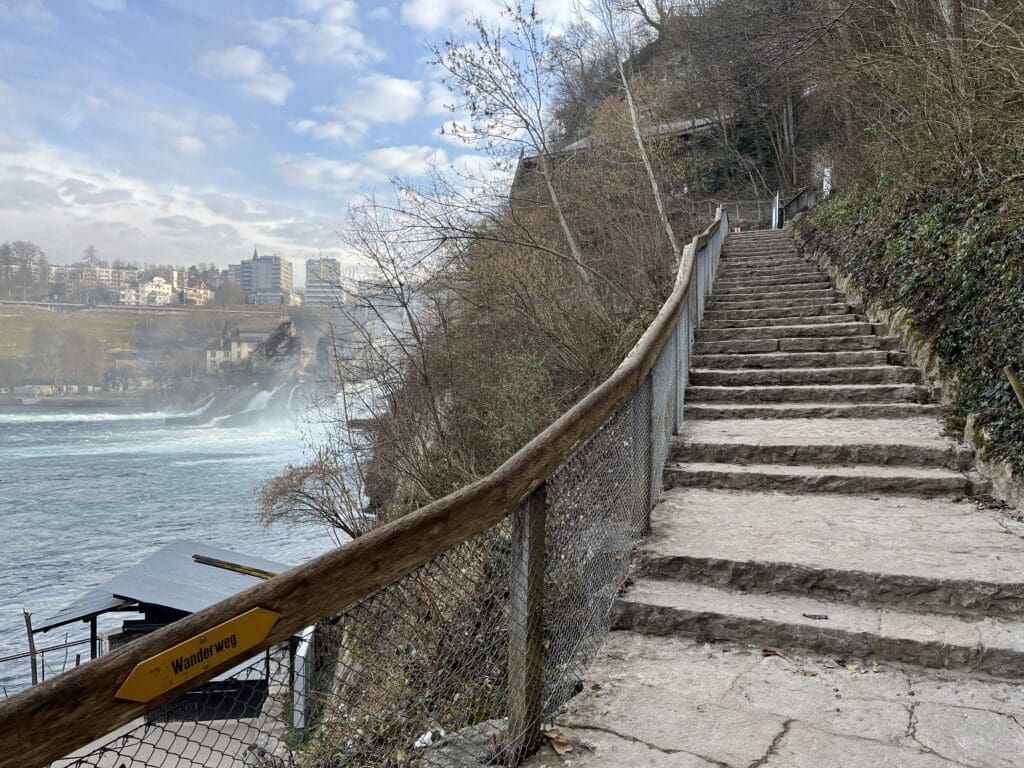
(674, 702)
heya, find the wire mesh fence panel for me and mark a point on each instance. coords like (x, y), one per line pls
(662, 414)
(597, 510)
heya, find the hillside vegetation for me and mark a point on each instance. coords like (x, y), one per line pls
(930, 217)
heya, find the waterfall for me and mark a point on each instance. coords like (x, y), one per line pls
(262, 399)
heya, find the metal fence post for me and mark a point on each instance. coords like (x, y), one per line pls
(526, 628)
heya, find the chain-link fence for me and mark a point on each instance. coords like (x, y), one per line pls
(462, 660)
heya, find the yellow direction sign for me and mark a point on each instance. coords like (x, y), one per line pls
(175, 666)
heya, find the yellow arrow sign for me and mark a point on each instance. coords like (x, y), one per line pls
(189, 659)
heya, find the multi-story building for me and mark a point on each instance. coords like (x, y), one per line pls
(323, 283)
(198, 296)
(265, 279)
(156, 292)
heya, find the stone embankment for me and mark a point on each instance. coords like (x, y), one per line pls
(826, 582)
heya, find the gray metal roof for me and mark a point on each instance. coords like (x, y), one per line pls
(168, 578)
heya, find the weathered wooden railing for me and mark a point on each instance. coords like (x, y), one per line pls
(554, 525)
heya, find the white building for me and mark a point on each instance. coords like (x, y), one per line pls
(156, 292)
(198, 296)
(323, 283)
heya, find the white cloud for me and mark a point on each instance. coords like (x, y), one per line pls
(327, 131)
(435, 15)
(376, 99)
(63, 201)
(250, 70)
(439, 99)
(324, 32)
(342, 178)
(31, 12)
(190, 145)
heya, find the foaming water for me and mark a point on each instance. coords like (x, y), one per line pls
(85, 495)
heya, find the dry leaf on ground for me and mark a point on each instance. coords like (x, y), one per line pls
(559, 741)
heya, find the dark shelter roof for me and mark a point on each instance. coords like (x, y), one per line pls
(169, 578)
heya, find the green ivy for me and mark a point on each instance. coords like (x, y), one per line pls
(954, 258)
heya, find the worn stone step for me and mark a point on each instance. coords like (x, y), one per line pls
(727, 304)
(878, 374)
(765, 249)
(896, 551)
(730, 276)
(867, 479)
(780, 293)
(804, 270)
(835, 308)
(831, 393)
(809, 344)
(768, 261)
(699, 410)
(737, 281)
(917, 442)
(800, 359)
(732, 289)
(992, 645)
(816, 330)
(765, 321)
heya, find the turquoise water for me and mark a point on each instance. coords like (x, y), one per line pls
(85, 495)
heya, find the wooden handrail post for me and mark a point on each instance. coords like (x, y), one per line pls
(526, 628)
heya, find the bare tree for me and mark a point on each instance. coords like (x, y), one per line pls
(502, 81)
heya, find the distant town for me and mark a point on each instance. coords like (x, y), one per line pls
(262, 280)
(97, 328)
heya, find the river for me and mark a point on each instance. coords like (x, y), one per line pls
(84, 495)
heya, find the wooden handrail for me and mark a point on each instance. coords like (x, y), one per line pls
(51, 720)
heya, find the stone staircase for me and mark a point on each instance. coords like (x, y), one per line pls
(822, 586)
(812, 500)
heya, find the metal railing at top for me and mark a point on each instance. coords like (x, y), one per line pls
(445, 638)
(805, 199)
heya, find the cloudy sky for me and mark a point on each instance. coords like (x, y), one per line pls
(193, 130)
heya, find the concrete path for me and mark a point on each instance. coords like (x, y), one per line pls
(826, 582)
(671, 702)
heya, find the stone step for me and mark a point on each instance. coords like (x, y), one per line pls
(809, 344)
(731, 277)
(698, 410)
(833, 393)
(867, 479)
(899, 551)
(765, 321)
(780, 293)
(727, 289)
(992, 645)
(804, 271)
(765, 249)
(835, 308)
(760, 242)
(918, 442)
(767, 282)
(773, 304)
(735, 261)
(816, 330)
(743, 377)
(800, 360)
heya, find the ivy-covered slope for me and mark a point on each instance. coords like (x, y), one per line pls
(954, 259)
